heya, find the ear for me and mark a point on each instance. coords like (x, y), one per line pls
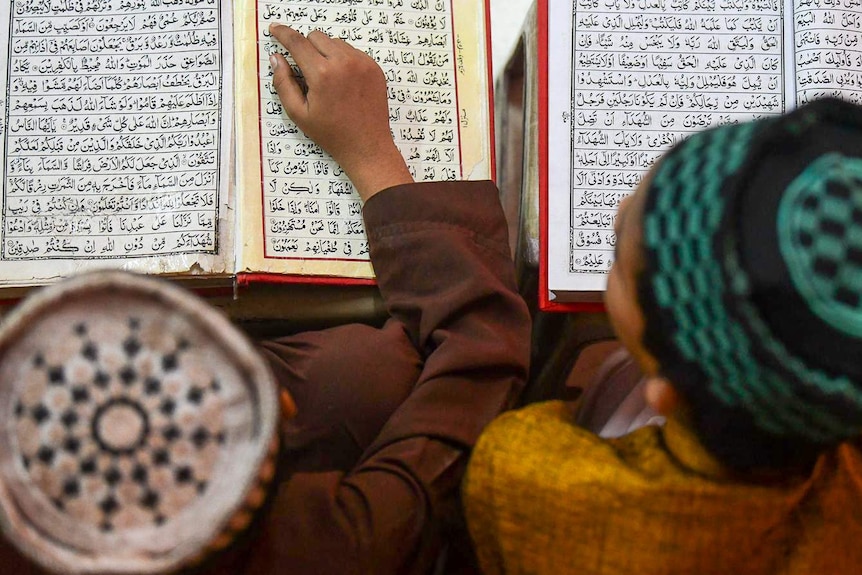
(662, 396)
(288, 406)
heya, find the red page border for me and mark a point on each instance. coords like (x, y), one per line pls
(545, 303)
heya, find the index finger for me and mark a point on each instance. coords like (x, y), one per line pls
(304, 53)
(324, 43)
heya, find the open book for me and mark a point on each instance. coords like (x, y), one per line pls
(621, 81)
(145, 134)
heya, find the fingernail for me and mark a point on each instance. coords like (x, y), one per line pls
(273, 61)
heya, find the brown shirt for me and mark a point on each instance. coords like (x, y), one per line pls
(369, 485)
(441, 255)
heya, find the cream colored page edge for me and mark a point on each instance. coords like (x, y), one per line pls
(474, 91)
(473, 102)
(530, 184)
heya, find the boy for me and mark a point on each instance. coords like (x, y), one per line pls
(737, 289)
(397, 409)
(386, 417)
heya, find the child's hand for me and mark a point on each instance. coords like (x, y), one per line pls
(345, 109)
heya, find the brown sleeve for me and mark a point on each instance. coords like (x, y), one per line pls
(441, 255)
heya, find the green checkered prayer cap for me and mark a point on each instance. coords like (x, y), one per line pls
(752, 287)
(821, 238)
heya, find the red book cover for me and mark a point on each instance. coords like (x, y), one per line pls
(545, 301)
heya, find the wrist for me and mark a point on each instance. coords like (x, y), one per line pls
(374, 173)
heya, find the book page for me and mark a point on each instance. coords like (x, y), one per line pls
(302, 214)
(627, 80)
(827, 52)
(115, 137)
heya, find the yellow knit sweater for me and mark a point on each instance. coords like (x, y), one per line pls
(544, 496)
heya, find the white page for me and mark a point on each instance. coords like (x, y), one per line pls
(116, 137)
(826, 49)
(627, 79)
(303, 216)
(311, 209)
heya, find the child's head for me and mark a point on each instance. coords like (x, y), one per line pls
(739, 281)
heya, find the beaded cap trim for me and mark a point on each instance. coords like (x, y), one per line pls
(140, 426)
